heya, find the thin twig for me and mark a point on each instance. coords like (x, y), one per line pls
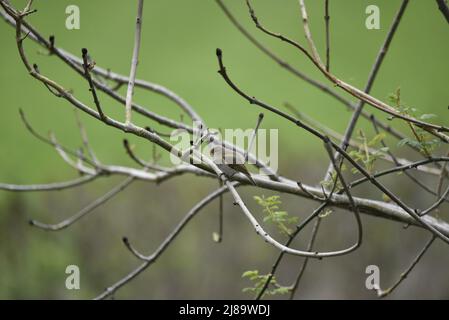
(220, 215)
(87, 66)
(278, 260)
(253, 136)
(443, 175)
(387, 156)
(298, 278)
(444, 8)
(164, 245)
(85, 138)
(383, 293)
(305, 23)
(50, 186)
(371, 78)
(436, 204)
(134, 62)
(398, 162)
(86, 210)
(326, 19)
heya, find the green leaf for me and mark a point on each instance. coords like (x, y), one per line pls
(403, 142)
(280, 290)
(280, 214)
(250, 273)
(267, 218)
(376, 139)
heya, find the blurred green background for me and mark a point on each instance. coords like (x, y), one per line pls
(178, 51)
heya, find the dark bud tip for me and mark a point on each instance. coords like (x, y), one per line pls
(52, 38)
(31, 222)
(219, 52)
(125, 142)
(125, 240)
(261, 115)
(84, 51)
(35, 66)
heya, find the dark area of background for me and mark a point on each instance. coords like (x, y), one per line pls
(179, 40)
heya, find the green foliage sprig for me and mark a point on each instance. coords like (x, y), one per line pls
(369, 151)
(280, 218)
(423, 141)
(259, 281)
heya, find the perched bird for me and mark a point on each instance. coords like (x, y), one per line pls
(229, 162)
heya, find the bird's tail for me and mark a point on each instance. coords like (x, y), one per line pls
(251, 179)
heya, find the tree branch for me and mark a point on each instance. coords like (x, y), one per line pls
(134, 62)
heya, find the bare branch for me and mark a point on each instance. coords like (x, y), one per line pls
(86, 210)
(50, 186)
(326, 19)
(298, 229)
(305, 22)
(444, 8)
(253, 136)
(433, 129)
(295, 285)
(167, 241)
(87, 66)
(85, 138)
(279, 61)
(311, 81)
(380, 186)
(134, 62)
(383, 293)
(372, 77)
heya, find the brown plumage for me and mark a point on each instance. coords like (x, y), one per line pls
(230, 162)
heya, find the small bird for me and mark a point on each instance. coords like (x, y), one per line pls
(229, 162)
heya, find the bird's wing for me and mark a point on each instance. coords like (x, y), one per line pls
(227, 170)
(241, 168)
(232, 157)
